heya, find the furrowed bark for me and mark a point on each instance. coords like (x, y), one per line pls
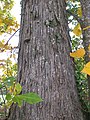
(44, 64)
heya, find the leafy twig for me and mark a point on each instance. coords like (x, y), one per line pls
(75, 16)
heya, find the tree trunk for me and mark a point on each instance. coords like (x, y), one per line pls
(85, 5)
(44, 64)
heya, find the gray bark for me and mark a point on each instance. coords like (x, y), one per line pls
(44, 64)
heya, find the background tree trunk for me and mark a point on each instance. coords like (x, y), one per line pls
(85, 5)
(44, 64)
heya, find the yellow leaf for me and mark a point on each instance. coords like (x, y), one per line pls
(77, 30)
(86, 68)
(86, 28)
(0, 21)
(79, 12)
(10, 30)
(78, 54)
(16, 25)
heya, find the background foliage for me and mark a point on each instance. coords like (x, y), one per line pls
(78, 54)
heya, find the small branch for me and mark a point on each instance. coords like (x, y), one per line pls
(69, 21)
(4, 101)
(75, 16)
(10, 39)
(2, 96)
(12, 36)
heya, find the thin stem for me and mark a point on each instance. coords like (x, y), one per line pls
(12, 36)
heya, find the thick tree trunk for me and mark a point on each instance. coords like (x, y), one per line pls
(44, 63)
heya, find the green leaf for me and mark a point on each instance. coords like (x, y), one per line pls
(18, 88)
(16, 99)
(9, 81)
(8, 97)
(30, 98)
(1, 85)
(10, 78)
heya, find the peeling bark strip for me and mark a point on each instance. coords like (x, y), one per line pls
(44, 64)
